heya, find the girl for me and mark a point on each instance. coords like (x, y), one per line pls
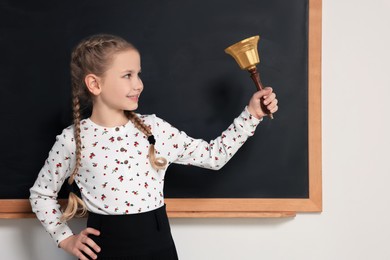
(118, 158)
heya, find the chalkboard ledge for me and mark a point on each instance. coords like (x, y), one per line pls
(21, 208)
(232, 214)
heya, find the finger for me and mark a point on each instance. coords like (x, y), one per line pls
(87, 251)
(274, 109)
(267, 92)
(271, 97)
(92, 244)
(271, 104)
(80, 255)
(90, 231)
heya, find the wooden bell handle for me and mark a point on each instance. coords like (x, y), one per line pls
(256, 79)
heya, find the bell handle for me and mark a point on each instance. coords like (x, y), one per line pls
(256, 79)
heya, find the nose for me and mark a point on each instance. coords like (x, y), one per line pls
(138, 86)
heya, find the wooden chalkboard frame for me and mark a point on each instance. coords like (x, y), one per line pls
(220, 207)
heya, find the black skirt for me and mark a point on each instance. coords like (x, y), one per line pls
(143, 236)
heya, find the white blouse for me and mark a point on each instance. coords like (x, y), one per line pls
(115, 176)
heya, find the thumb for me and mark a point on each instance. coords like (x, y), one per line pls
(263, 93)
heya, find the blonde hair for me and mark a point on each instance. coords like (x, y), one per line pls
(94, 55)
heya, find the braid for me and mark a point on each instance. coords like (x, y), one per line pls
(77, 130)
(139, 124)
(75, 204)
(158, 163)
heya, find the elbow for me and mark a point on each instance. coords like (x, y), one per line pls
(32, 194)
(33, 198)
(217, 167)
(218, 164)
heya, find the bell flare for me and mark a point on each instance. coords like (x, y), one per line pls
(245, 52)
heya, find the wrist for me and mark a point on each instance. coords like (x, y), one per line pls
(62, 243)
(253, 113)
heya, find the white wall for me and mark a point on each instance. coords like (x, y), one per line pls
(356, 164)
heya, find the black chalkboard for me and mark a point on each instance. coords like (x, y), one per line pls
(189, 81)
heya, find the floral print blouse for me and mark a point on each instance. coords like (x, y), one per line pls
(115, 176)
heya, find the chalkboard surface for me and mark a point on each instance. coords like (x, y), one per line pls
(189, 81)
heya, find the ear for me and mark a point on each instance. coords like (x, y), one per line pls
(92, 83)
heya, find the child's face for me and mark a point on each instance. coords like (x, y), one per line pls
(121, 85)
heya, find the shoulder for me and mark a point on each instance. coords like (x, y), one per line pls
(67, 133)
(149, 119)
(154, 121)
(66, 138)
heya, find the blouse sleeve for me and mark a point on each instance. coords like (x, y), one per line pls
(43, 194)
(182, 149)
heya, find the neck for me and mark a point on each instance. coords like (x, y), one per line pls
(108, 118)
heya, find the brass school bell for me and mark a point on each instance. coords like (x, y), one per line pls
(246, 55)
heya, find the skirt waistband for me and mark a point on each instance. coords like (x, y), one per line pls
(160, 210)
(154, 219)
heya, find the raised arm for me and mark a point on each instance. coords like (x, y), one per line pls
(183, 149)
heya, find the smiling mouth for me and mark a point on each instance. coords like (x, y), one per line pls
(133, 97)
